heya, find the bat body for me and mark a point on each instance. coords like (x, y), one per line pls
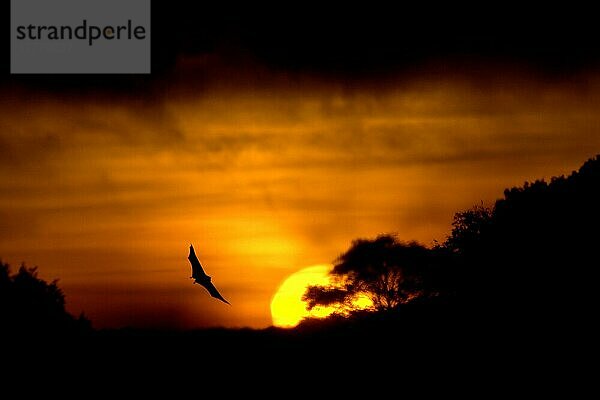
(200, 277)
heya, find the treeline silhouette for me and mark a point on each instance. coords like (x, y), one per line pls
(525, 264)
(31, 306)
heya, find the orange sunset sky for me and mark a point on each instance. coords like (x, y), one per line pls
(265, 174)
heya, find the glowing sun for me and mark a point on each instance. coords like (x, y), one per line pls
(287, 307)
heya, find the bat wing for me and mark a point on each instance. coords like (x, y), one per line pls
(197, 270)
(214, 292)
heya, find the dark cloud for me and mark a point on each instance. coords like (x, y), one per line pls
(351, 43)
(369, 38)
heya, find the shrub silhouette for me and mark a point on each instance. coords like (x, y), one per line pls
(29, 305)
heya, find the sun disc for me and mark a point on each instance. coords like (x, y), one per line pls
(287, 307)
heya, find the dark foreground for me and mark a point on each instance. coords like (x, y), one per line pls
(428, 337)
(428, 352)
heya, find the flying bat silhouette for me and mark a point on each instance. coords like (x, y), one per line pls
(200, 277)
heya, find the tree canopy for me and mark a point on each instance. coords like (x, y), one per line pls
(386, 270)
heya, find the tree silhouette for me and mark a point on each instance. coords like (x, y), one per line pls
(389, 272)
(29, 304)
